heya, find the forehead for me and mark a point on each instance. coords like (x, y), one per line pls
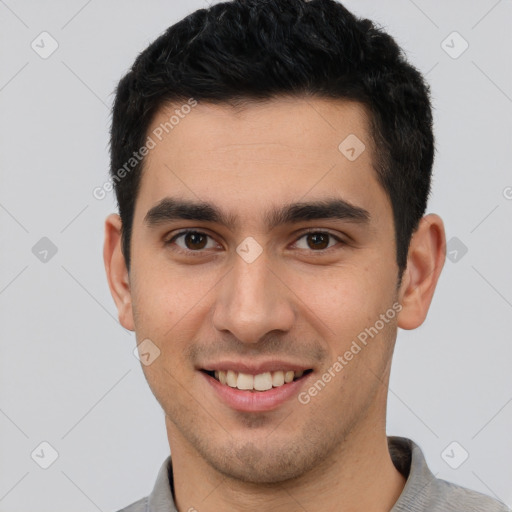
(301, 124)
(274, 151)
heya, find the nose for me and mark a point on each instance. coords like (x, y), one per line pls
(253, 301)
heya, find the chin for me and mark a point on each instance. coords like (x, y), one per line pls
(262, 464)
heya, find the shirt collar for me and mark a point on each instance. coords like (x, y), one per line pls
(410, 461)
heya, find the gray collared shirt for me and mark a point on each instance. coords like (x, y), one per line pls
(423, 492)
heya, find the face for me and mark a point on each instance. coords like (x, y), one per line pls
(290, 261)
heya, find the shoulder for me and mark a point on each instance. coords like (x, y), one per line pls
(455, 498)
(138, 506)
(424, 492)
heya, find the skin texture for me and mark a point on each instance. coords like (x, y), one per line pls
(295, 302)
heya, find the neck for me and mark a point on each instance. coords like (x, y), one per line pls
(359, 476)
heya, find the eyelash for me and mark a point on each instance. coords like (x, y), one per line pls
(202, 251)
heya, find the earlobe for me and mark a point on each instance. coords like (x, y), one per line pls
(425, 261)
(117, 273)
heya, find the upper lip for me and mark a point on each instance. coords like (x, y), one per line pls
(253, 367)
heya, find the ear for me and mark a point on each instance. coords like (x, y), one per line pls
(425, 260)
(117, 273)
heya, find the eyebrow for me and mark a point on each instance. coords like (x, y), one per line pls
(171, 209)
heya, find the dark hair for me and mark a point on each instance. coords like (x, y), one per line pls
(244, 50)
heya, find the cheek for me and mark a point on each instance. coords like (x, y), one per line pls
(170, 308)
(162, 295)
(346, 297)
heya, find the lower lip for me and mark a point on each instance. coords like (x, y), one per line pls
(256, 401)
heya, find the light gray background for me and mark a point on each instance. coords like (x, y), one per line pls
(67, 372)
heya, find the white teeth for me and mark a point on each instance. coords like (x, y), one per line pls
(288, 376)
(260, 382)
(231, 378)
(245, 381)
(277, 379)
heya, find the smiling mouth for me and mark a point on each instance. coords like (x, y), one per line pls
(260, 382)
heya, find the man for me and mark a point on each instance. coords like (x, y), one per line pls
(272, 163)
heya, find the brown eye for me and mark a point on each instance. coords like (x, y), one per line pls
(191, 241)
(317, 241)
(195, 241)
